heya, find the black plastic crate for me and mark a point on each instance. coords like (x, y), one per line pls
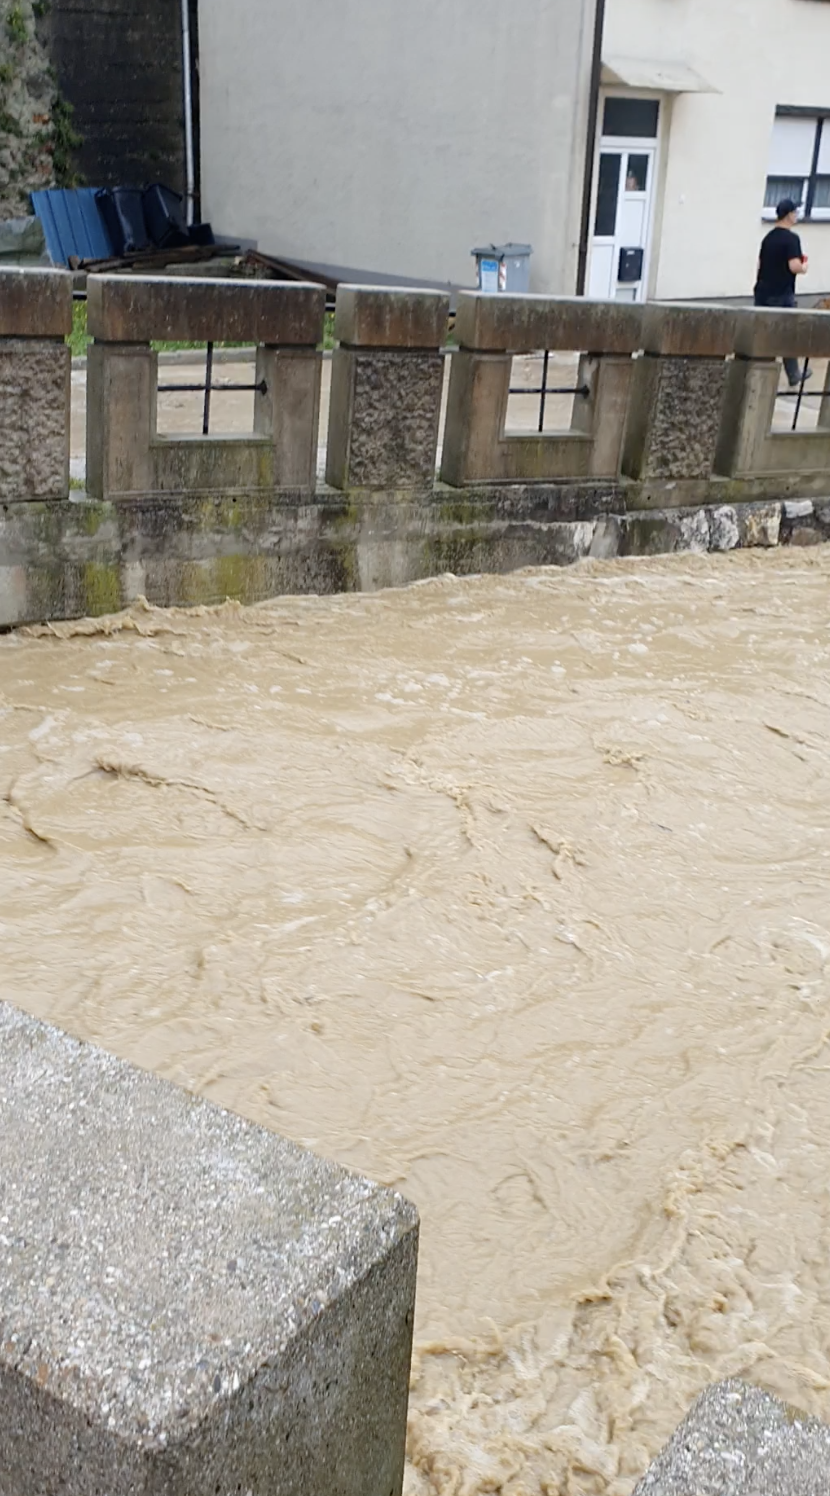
(164, 216)
(123, 213)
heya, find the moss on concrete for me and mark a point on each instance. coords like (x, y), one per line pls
(101, 589)
(460, 554)
(461, 512)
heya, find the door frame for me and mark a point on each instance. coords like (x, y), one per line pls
(636, 144)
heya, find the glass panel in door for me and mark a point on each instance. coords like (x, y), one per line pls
(636, 171)
(608, 195)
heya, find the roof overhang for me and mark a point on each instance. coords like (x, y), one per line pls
(658, 75)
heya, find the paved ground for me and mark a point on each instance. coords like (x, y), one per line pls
(232, 410)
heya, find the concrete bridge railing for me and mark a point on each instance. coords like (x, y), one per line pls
(674, 441)
(747, 444)
(125, 454)
(672, 393)
(490, 330)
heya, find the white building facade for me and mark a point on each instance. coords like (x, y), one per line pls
(392, 137)
(711, 111)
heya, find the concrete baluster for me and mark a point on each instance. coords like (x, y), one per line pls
(749, 447)
(125, 454)
(386, 388)
(35, 382)
(678, 392)
(492, 328)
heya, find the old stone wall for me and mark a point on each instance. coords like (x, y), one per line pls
(78, 557)
(90, 91)
(28, 98)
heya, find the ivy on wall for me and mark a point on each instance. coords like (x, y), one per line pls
(37, 136)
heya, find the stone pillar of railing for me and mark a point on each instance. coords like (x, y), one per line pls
(490, 329)
(749, 447)
(125, 455)
(678, 394)
(386, 387)
(189, 1305)
(739, 1441)
(35, 382)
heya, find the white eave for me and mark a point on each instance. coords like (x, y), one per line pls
(657, 75)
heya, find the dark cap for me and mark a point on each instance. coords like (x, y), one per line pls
(786, 207)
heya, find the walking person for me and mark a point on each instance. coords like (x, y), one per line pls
(781, 260)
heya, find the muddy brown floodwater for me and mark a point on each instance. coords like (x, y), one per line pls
(512, 892)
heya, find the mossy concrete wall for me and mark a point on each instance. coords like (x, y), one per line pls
(70, 558)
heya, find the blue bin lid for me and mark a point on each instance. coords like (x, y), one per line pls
(503, 252)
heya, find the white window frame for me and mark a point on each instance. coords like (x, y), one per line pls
(819, 164)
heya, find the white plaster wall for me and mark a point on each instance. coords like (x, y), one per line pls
(393, 136)
(759, 54)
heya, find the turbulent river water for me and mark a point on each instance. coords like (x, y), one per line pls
(511, 892)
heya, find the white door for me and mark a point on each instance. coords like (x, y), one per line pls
(622, 221)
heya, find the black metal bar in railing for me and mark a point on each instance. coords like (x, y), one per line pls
(544, 394)
(544, 389)
(804, 376)
(557, 389)
(218, 389)
(208, 382)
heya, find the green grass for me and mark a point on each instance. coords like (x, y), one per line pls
(79, 338)
(178, 347)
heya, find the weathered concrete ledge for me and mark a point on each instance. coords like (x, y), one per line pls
(188, 1304)
(136, 309)
(64, 560)
(676, 330)
(391, 317)
(521, 324)
(35, 303)
(739, 1441)
(763, 332)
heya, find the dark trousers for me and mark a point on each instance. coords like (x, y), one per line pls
(787, 298)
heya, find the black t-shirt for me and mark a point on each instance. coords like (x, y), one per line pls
(775, 277)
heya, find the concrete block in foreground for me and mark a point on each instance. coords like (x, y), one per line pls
(739, 1441)
(189, 1305)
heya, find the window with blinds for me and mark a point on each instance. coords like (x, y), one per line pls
(799, 164)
